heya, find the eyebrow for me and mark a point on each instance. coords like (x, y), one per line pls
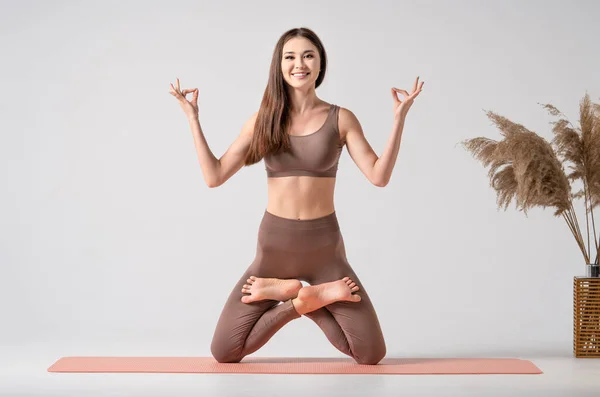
(292, 52)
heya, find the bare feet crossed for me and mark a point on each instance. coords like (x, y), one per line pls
(270, 288)
(314, 297)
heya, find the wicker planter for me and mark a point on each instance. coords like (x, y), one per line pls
(586, 317)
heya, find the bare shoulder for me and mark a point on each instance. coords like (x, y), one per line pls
(248, 128)
(347, 121)
(346, 115)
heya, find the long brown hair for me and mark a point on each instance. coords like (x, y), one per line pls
(273, 116)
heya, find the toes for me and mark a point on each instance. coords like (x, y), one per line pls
(356, 298)
(346, 278)
(246, 299)
(354, 289)
(246, 286)
(351, 285)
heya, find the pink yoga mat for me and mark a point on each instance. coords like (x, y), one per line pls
(296, 365)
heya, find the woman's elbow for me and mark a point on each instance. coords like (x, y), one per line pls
(213, 182)
(380, 183)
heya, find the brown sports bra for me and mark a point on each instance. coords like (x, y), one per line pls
(316, 154)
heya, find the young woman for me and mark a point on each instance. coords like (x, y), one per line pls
(300, 137)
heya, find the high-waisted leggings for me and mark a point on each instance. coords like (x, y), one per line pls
(310, 250)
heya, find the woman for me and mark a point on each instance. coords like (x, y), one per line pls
(300, 137)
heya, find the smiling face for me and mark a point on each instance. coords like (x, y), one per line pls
(300, 62)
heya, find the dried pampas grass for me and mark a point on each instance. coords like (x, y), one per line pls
(527, 168)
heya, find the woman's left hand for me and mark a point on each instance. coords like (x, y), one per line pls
(401, 107)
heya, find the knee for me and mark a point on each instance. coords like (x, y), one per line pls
(226, 358)
(224, 355)
(373, 356)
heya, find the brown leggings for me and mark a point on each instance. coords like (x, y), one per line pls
(310, 250)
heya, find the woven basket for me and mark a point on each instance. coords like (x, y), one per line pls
(586, 317)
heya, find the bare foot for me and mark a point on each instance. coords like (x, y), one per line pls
(313, 297)
(270, 288)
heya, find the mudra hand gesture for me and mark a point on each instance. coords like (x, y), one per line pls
(189, 107)
(401, 107)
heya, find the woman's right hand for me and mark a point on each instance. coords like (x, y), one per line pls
(189, 107)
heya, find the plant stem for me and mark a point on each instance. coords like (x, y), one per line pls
(578, 238)
(573, 215)
(580, 234)
(585, 199)
(593, 222)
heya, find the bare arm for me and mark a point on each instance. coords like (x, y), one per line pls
(378, 170)
(218, 171)
(215, 171)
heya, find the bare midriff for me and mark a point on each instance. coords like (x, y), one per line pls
(300, 197)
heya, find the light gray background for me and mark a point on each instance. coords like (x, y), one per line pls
(111, 243)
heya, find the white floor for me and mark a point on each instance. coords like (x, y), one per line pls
(563, 376)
